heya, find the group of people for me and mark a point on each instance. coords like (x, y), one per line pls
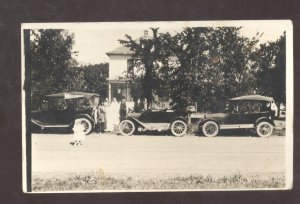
(109, 114)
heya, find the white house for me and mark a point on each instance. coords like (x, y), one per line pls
(119, 63)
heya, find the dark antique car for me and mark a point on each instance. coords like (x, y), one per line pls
(62, 109)
(175, 120)
(245, 112)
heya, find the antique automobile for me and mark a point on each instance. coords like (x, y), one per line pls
(173, 119)
(245, 112)
(62, 109)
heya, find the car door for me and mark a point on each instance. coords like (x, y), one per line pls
(237, 114)
(161, 116)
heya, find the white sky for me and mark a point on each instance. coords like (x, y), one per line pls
(93, 40)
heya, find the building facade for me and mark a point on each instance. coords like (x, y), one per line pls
(119, 63)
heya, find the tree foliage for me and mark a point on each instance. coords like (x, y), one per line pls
(49, 58)
(211, 65)
(95, 78)
(270, 67)
(214, 65)
(147, 58)
(53, 68)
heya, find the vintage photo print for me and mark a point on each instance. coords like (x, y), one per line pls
(157, 106)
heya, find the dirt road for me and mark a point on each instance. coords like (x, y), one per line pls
(157, 156)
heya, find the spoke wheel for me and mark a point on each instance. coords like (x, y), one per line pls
(178, 128)
(210, 129)
(86, 124)
(127, 127)
(264, 129)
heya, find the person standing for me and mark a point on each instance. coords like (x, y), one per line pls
(78, 135)
(105, 110)
(101, 117)
(130, 105)
(113, 115)
(109, 117)
(143, 105)
(123, 109)
(137, 106)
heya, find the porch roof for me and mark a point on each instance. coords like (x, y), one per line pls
(120, 51)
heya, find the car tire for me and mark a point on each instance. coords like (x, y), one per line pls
(87, 125)
(264, 129)
(127, 127)
(210, 129)
(178, 128)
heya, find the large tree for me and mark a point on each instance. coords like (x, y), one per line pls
(230, 59)
(147, 59)
(214, 65)
(270, 67)
(183, 78)
(49, 59)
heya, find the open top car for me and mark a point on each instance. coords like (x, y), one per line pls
(175, 120)
(245, 112)
(62, 109)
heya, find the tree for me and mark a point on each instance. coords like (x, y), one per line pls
(270, 67)
(214, 65)
(146, 58)
(95, 78)
(182, 78)
(49, 59)
(230, 57)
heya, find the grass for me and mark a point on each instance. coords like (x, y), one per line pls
(92, 181)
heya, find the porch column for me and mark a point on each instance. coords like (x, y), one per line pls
(127, 91)
(109, 91)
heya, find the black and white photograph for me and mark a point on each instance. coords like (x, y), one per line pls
(157, 106)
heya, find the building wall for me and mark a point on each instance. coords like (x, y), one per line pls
(118, 65)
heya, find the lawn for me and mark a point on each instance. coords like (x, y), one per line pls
(95, 182)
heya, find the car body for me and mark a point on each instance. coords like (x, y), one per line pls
(62, 109)
(164, 119)
(245, 112)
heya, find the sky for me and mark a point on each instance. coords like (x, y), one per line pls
(92, 41)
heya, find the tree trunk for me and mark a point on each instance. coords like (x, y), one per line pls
(278, 110)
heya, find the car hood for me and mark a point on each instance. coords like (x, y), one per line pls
(134, 115)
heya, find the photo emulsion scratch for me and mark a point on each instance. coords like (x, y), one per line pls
(157, 106)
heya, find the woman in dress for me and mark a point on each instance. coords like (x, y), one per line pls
(112, 115)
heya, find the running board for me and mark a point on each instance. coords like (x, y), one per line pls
(43, 125)
(236, 126)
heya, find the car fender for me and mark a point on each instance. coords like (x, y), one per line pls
(136, 121)
(90, 118)
(264, 119)
(206, 120)
(180, 118)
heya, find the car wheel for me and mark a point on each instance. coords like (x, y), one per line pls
(264, 129)
(127, 127)
(210, 129)
(87, 125)
(178, 128)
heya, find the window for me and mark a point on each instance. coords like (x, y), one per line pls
(130, 67)
(246, 107)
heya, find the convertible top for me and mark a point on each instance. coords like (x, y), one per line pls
(70, 95)
(253, 98)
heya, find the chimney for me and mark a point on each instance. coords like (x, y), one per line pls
(145, 33)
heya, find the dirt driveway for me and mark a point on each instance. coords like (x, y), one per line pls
(157, 156)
